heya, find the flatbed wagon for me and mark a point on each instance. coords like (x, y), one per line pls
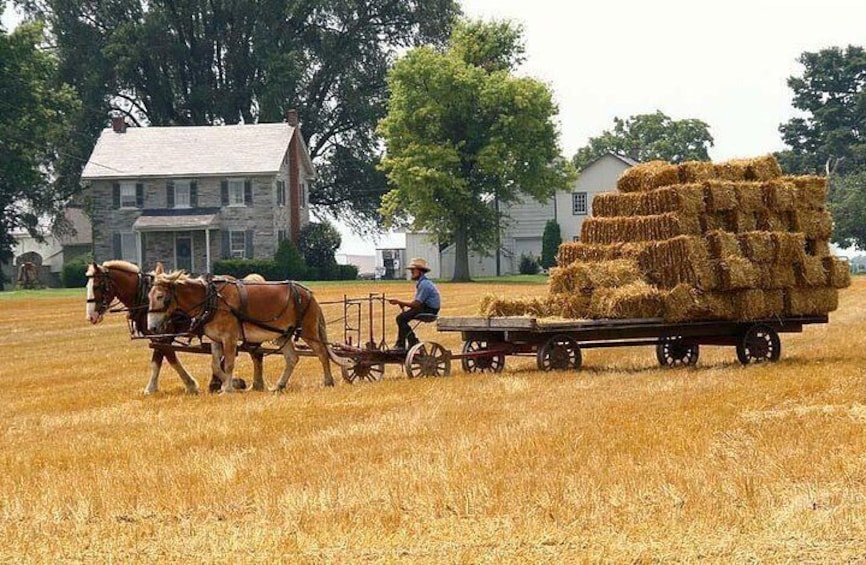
(558, 344)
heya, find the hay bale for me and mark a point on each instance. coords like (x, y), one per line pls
(810, 272)
(573, 306)
(720, 196)
(818, 247)
(758, 246)
(772, 221)
(775, 277)
(774, 302)
(683, 259)
(635, 300)
(572, 251)
(722, 244)
(734, 170)
(739, 222)
(815, 224)
(686, 302)
(737, 272)
(687, 198)
(647, 176)
(763, 168)
(695, 171)
(584, 277)
(750, 197)
(749, 304)
(495, 306)
(838, 272)
(779, 196)
(790, 247)
(811, 191)
(810, 301)
(638, 228)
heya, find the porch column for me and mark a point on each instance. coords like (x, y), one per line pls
(207, 249)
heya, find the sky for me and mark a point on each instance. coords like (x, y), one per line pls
(725, 63)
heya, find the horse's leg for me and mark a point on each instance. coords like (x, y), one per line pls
(230, 350)
(258, 371)
(155, 366)
(216, 364)
(188, 380)
(291, 357)
(321, 351)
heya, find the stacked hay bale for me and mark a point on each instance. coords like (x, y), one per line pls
(735, 240)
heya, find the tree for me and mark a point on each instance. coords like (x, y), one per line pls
(649, 137)
(847, 203)
(462, 133)
(34, 121)
(180, 63)
(318, 243)
(550, 243)
(830, 136)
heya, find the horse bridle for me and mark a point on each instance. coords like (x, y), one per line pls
(105, 285)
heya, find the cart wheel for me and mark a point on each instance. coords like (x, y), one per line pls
(672, 352)
(559, 353)
(428, 359)
(481, 364)
(358, 371)
(759, 344)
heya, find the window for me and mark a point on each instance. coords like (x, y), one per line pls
(128, 251)
(575, 238)
(181, 194)
(302, 195)
(127, 195)
(238, 243)
(282, 235)
(578, 203)
(281, 193)
(236, 192)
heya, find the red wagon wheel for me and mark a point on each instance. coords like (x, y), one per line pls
(559, 353)
(428, 359)
(361, 371)
(482, 363)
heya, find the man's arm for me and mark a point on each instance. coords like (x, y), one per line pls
(414, 304)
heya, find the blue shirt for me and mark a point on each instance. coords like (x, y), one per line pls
(426, 293)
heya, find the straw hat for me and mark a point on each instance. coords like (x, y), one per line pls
(418, 263)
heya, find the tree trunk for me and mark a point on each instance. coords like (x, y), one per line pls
(461, 257)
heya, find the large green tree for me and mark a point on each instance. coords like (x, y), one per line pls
(163, 62)
(648, 137)
(35, 109)
(463, 133)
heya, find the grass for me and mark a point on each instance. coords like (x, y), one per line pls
(622, 461)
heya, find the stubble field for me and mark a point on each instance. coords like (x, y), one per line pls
(621, 461)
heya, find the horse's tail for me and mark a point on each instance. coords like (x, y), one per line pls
(323, 338)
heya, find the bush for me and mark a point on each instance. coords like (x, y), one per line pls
(529, 264)
(346, 273)
(550, 243)
(240, 268)
(290, 262)
(318, 243)
(73, 273)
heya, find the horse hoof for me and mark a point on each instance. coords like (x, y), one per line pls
(148, 392)
(192, 391)
(278, 389)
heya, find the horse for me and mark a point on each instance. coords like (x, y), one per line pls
(230, 311)
(124, 282)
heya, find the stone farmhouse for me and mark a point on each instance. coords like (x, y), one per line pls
(190, 195)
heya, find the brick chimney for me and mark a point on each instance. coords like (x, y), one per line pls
(292, 117)
(118, 124)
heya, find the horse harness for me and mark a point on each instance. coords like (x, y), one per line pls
(241, 312)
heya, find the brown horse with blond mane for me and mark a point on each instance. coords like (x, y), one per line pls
(124, 282)
(229, 311)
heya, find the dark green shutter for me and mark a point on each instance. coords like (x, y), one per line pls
(143, 250)
(139, 195)
(193, 194)
(115, 195)
(169, 194)
(248, 192)
(224, 193)
(118, 251)
(225, 252)
(249, 244)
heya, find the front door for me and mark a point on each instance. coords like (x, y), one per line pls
(183, 252)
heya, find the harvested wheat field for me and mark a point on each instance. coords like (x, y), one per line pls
(622, 461)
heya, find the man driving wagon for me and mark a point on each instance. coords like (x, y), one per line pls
(427, 301)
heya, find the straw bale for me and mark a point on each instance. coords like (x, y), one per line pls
(774, 302)
(686, 302)
(815, 224)
(737, 272)
(758, 246)
(750, 197)
(739, 222)
(647, 176)
(573, 306)
(734, 170)
(763, 168)
(790, 247)
(493, 305)
(838, 272)
(683, 259)
(678, 198)
(695, 171)
(810, 301)
(723, 244)
(581, 276)
(810, 272)
(635, 300)
(776, 276)
(772, 221)
(572, 251)
(720, 196)
(714, 221)
(779, 196)
(638, 228)
(749, 304)
(811, 191)
(818, 247)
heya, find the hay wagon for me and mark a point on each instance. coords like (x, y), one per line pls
(558, 345)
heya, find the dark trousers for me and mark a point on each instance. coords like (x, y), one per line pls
(404, 330)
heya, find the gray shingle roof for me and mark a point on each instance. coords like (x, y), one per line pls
(189, 151)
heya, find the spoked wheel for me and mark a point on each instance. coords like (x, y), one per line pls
(428, 359)
(672, 352)
(559, 353)
(360, 371)
(482, 363)
(759, 344)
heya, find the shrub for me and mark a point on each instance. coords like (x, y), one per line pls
(240, 268)
(550, 243)
(347, 272)
(318, 243)
(529, 264)
(73, 273)
(290, 262)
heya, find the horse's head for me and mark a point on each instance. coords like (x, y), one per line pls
(100, 292)
(162, 300)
